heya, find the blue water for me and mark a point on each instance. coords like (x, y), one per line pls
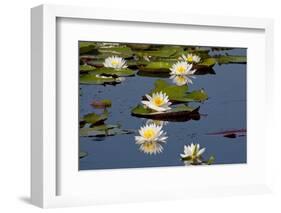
(224, 110)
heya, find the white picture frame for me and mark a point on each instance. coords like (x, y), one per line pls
(45, 152)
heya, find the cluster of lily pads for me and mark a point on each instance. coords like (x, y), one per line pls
(110, 63)
(95, 125)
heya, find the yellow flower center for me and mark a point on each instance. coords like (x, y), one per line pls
(149, 133)
(158, 101)
(114, 62)
(149, 147)
(181, 79)
(189, 59)
(181, 69)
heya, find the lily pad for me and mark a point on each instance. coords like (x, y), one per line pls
(113, 72)
(103, 131)
(139, 46)
(86, 68)
(207, 62)
(179, 113)
(94, 119)
(164, 66)
(157, 66)
(178, 94)
(98, 79)
(85, 47)
(82, 154)
(231, 59)
(163, 52)
(122, 51)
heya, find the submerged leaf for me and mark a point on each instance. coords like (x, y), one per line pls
(101, 104)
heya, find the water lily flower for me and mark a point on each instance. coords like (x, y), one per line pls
(115, 62)
(158, 101)
(190, 58)
(192, 154)
(181, 68)
(180, 80)
(151, 139)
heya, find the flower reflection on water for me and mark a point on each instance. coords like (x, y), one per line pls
(151, 138)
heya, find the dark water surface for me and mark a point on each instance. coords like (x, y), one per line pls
(224, 110)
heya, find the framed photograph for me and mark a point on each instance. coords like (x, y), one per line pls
(130, 106)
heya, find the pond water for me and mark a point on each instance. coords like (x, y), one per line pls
(224, 110)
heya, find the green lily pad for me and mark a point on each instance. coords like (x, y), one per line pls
(228, 59)
(122, 51)
(209, 62)
(94, 118)
(197, 95)
(85, 47)
(86, 68)
(178, 113)
(164, 65)
(139, 46)
(113, 72)
(103, 131)
(82, 154)
(179, 93)
(163, 52)
(157, 66)
(98, 79)
(211, 160)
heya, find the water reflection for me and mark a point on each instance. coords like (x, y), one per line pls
(180, 80)
(157, 122)
(151, 138)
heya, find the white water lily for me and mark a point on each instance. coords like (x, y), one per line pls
(158, 101)
(151, 139)
(192, 154)
(182, 68)
(180, 80)
(190, 58)
(115, 62)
